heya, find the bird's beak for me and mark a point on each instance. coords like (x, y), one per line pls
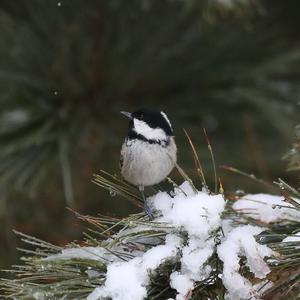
(127, 114)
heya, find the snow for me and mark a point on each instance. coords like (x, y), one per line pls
(292, 238)
(266, 208)
(122, 282)
(181, 283)
(241, 242)
(194, 255)
(191, 221)
(128, 280)
(195, 213)
(198, 214)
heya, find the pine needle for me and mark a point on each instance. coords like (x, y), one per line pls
(250, 176)
(117, 186)
(212, 159)
(185, 176)
(197, 162)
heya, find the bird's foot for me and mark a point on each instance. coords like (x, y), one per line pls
(148, 211)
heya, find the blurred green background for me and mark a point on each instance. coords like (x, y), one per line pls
(68, 67)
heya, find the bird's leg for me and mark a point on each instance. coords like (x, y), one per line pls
(146, 207)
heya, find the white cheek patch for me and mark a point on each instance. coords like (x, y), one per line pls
(140, 127)
(166, 118)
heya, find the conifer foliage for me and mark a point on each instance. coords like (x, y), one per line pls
(68, 67)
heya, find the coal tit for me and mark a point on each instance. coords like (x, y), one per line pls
(148, 153)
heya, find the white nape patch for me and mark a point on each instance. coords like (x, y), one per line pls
(166, 118)
(142, 128)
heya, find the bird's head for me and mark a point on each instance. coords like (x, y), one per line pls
(150, 124)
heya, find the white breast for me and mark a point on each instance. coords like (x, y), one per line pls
(147, 164)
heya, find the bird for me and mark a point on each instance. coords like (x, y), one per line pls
(149, 151)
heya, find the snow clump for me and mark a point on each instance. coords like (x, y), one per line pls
(192, 222)
(266, 208)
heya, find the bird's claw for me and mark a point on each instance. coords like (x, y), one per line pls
(148, 211)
